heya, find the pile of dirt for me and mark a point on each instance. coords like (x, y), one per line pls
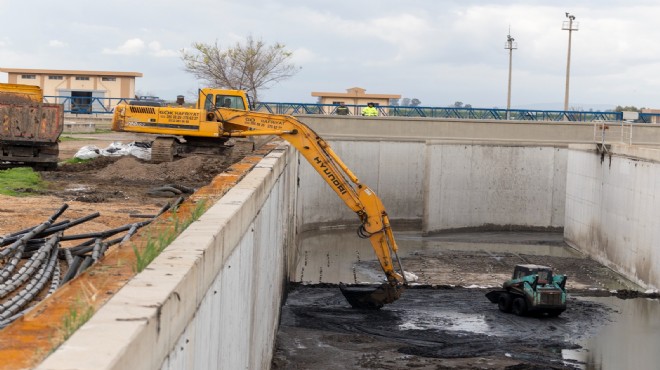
(127, 178)
(116, 187)
(195, 170)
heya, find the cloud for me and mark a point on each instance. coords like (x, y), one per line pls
(130, 47)
(384, 38)
(156, 50)
(57, 44)
(303, 55)
(137, 47)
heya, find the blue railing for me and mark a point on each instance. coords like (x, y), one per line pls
(85, 104)
(95, 105)
(446, 112)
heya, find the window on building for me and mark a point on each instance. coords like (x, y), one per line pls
(109, 79)
(337, 102)
(55, 77)
(82, 78)
(29, 77)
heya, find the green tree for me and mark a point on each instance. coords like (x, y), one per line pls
(627, 108)
(408, 102)
(459, 104)
(252, 66)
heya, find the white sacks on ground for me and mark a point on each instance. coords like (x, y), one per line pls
(140, 150)
(136, 149)
(87, 152)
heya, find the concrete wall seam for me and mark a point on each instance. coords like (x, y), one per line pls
(445, 186)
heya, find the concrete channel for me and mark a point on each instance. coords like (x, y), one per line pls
(214, 298)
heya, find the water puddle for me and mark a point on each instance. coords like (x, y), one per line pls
(77, 188)
(629, 340)
(334, 256)
(444, 320)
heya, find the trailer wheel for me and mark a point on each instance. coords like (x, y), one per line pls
(519, 306)
(504, 302)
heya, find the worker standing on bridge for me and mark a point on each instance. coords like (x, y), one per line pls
(342, 109)
(370, 110)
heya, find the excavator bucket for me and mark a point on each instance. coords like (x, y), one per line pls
(370, 297)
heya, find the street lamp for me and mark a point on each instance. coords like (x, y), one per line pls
(570, 25)
(510, 45)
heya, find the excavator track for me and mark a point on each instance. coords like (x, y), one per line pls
(163, 149)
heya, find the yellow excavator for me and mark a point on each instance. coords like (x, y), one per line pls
(221, 115)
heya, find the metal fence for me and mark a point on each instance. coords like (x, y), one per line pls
(97, 105)
(613, 132)
(84, 104)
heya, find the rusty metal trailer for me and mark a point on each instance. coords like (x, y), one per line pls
(29, 132)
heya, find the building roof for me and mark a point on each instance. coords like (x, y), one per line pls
(355, 92)
(70, 72)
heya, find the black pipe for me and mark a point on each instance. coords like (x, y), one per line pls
(72, 270)
(70, 224)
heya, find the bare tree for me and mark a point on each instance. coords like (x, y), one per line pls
(250, 66)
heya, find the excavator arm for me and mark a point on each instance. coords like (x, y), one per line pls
(374, 221)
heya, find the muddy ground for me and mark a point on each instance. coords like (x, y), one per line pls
(119, 188)
(446, 328)
(444, 320)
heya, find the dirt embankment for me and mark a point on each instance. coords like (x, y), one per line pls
(116, 187)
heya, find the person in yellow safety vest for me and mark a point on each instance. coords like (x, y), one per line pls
(370, 110)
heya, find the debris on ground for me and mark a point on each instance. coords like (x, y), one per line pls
(138, 149)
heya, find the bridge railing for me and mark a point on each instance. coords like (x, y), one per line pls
(98, 105)
(85, 104)
(446, 112)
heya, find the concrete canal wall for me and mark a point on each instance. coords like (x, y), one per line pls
(613, 209)
(212, 299)
(447, 185)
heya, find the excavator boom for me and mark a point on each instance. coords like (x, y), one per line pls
(358, 197)
(224, 123)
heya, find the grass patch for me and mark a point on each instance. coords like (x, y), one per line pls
(79, 313)
(155, 245)
(77, 160)
(73, 138)
(20, 181)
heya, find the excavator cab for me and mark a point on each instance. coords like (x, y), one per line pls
(213, 99)
(229, 101)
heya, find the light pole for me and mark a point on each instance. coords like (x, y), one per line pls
(570, 25)
(510, 45)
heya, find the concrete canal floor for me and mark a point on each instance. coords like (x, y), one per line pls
(445, 321)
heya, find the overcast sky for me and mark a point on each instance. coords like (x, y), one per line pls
(439, 52)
